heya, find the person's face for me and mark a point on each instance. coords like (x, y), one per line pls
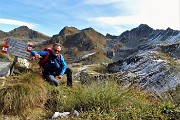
(56, 50)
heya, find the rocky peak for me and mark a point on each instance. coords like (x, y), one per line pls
(142, 26)
(139, 32)
(88, 29)
(68, 31)
(169, 29)
(142, 30)
(78, 43)
(27, 35)
(21, 28)
(90, 32)
(111, 36)
(170, 32)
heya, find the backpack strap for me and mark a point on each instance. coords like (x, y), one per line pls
(45, 59)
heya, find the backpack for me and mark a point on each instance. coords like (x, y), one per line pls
(42, 61)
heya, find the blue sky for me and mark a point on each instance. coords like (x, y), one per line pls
(105, 16)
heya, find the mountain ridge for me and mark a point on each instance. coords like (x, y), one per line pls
(80, 42)
(148, 57)
(25, 34)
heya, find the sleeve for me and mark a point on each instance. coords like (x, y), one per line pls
(41, 53)
(63, 62)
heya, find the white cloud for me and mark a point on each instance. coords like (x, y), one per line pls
(115, 25)
(158, 14)
(17, 23)
(113, 21)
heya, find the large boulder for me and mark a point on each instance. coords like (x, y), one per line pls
(23, 63)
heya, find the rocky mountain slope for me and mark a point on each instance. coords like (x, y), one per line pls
(143, 57)
(25, 34)
(78, 43)
(3, 35)
(147, 58)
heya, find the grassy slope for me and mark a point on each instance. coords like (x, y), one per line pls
(28, 96)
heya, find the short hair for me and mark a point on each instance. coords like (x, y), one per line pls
(57, 44)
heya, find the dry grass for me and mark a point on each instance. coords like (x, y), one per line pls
(32, 98)
(28, 96)
(174, 63)
(26, 93)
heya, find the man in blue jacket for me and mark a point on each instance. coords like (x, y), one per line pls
(54, 66)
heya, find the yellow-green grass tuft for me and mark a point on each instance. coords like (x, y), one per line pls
(28, 93)
(102, 101)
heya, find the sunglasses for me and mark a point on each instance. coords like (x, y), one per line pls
(56, 50)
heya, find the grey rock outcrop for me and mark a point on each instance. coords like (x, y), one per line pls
(147, 58)
(4, 67)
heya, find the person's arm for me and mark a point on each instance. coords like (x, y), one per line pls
(63, 69)
(38, 54)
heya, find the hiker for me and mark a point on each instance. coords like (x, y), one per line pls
(53, 65)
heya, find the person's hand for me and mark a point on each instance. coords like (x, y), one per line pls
(60, 76)
(37, 56)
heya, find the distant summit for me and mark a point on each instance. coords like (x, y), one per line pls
(68, 31)
(77, 43)
(111, 36)
(141, 26)
(147, 56)
(25, 34)
(22, 28)
(91, 31)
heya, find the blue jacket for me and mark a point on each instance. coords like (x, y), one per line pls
(56, 64)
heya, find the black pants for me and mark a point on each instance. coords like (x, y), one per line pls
(68, 72)
(52, 80)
